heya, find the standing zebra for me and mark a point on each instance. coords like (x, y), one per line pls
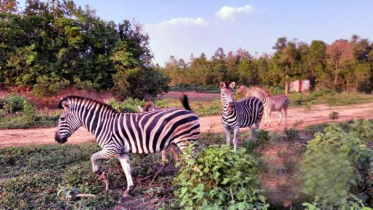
(238, 114)
(271, 102)
(119, 134)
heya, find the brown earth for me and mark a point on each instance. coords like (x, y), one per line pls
(318, 114)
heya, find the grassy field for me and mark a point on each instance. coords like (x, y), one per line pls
(49, 177)
(35, 177)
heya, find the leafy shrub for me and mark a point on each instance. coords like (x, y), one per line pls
(127, 106)
(291, 133)
(211, 109)
(14, 103)
(338, 160)
(18, 112)
(334, 115)
(262, 137)
(218, 177)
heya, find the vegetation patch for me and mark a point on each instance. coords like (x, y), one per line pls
(17, 112)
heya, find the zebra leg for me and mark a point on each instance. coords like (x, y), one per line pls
(266, 117)
(235, 138)
(125, 162)
(164, 157)
(269, 117)
(280, 115)
(286, 116)
(173, 150)
(103, 154)
(227, 132)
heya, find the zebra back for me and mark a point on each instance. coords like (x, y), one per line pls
(249, 111)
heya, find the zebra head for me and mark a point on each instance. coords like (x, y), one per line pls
(243, 90)
(226, 96)
(68, 122)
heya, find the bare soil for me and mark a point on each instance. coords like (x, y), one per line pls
(316, 115)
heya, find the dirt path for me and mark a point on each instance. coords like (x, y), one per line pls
(318, 114)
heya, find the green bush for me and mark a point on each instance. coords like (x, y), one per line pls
(14, 103)
(204, 110)
(338, 160)
(18, 112)
(217, 177)
(127, 106)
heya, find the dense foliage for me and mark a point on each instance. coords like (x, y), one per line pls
(217, 178)
(17, 112)
(50, 45)
(336, 169)
(343, 65)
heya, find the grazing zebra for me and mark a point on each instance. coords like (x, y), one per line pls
(271, 102)
(150, 106)
(238, 114)
(119, 134)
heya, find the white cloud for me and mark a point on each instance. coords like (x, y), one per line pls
(227, 12)
(185, 21)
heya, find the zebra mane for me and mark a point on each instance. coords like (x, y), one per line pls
(80, 99)
(263, 90)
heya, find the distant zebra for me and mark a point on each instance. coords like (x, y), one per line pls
(150, 106)
(271, 102)
(238, 114)
(119, 134)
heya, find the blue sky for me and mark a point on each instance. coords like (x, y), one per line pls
(180, 28)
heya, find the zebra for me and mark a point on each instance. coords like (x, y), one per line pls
(271, 103)
(238, 114)
(150, 106)
(119, 134)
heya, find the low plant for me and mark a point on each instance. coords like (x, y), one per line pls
(334, 115)
(217, 177)
(338, 160)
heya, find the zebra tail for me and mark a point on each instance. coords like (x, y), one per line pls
(184, 101)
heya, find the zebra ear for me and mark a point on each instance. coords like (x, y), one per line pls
(65, 105)
(222, 85)
(231, 86)
(140, 108)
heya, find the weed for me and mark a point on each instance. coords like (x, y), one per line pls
(334, 115)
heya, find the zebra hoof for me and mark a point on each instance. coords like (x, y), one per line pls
(126, 195)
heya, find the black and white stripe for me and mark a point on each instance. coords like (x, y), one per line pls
(238, 114)
(279, 103)
(121, 133)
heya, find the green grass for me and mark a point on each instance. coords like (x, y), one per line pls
(31, 177)
(329, 98)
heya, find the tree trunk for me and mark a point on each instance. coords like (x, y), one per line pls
(286, 84)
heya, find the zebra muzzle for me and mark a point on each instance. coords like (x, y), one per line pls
(59, 139)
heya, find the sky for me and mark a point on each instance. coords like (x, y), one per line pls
(184, 27)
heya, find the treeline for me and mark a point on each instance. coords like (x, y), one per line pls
(345, 65)
(50, 45)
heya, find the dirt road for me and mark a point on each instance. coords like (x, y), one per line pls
(318, 114)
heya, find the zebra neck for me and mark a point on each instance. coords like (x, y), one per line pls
(98, 121)
(228, 114)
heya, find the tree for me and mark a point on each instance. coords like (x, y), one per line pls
(315, 59)
(340, 51)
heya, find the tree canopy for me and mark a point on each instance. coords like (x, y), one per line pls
(51, 45)
(343, 65)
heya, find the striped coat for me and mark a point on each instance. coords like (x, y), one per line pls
(279, 103)
(119, 134)
(238, 114)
